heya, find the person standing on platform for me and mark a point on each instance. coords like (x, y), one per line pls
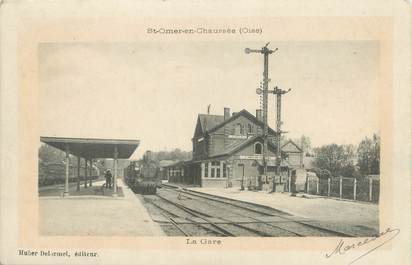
(108, 177)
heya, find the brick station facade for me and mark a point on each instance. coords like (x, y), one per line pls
(227, 151)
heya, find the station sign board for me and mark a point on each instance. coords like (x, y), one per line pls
(256, 157)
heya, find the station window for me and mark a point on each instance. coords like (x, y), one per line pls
(215, 169)
(249, 128)
(258, 148)
(238, 129)
(224, 170)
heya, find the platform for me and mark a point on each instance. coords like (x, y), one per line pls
(90, 213)
(358, 218)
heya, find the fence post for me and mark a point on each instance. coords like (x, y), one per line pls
(317, 186)
(370, 189)
(340, 187)
(354, 189)
(328, 187)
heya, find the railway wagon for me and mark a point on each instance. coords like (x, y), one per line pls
(143, 176)
(53, 173)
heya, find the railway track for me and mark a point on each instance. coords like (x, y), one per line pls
(264, 210)
(170, 215)
(217, 216)
(174, 216)
(218, 225)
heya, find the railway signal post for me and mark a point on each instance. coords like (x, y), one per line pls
(278, 92)
(266, 52)
(264, 92)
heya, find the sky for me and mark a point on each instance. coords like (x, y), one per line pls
(153, 91)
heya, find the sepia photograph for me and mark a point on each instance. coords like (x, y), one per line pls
(276, 139)
(199, 132)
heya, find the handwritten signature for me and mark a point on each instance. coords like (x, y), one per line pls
(342, 247)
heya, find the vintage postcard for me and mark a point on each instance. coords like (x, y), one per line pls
(202, 132)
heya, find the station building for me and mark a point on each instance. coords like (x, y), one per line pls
(163, 164)
(227, 151)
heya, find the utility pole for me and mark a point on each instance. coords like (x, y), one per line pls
(265, 51)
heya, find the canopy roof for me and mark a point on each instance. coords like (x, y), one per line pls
(93, 148)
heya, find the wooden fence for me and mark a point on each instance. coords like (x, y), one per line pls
(345, 188)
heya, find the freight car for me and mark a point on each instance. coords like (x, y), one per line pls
(143, 176)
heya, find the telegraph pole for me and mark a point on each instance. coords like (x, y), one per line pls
(265, 51)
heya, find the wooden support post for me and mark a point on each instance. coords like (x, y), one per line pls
(307, 184)
(91, 172)
(115, 171)
(370, 189)
(230, 172)
(317, 186)
(221, 169)
(328, 187)
(78, 173)
(354, 189)
(289, 181)
(66, 183)
(85, 172)
(340, 187)
(202, 174)
(209, 170)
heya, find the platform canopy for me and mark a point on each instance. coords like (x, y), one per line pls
(92, 148)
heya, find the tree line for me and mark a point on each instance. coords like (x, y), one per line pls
(174, 155)
(49, 155)
(352, 161)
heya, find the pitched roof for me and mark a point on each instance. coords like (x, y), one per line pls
(241, 144)
(293, 143)
(208, 121)
(211, 123)
(245, 113)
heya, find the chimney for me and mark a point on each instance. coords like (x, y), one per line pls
(259, 115)
(226, 113)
